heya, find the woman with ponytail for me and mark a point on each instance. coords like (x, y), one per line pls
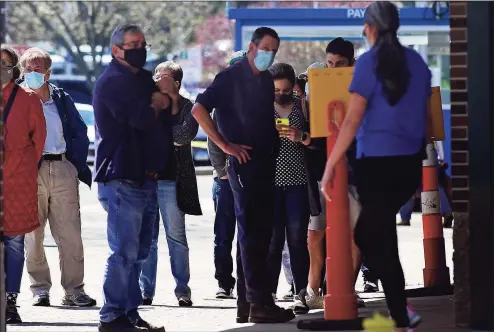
(387, 113)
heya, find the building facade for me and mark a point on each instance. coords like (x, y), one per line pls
(472, 145)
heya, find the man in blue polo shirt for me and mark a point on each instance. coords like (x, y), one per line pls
(243, 96)
(134, 144)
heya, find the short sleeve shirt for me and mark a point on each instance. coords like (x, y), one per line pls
(290, 165)
(244, 104)
(391, 130)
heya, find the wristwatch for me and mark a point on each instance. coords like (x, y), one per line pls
(303, 137)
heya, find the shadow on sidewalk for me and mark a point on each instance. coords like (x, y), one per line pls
(190, 308)
(437, 316)
(64, 307)
(57, 324)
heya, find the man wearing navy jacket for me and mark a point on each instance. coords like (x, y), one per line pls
(134, 146)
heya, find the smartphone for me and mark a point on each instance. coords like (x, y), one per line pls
(282, 122)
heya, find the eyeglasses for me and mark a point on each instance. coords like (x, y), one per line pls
(158, 77)
(134, 45)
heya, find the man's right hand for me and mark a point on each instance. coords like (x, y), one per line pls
(238, 151)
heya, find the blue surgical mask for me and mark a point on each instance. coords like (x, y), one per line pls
(263, 60)
(307, 90)
(367, 43)
(34, 80)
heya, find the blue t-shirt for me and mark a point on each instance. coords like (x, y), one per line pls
(391, 130)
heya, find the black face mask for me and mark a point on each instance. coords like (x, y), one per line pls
(7, 74)
(136, 57)
(283, 99)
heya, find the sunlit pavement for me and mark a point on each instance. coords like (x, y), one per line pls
(208, 314)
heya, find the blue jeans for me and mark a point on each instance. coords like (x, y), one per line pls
(291, 219)
(224, 232)
(174, 224)
(14, 262)
(131, 209)
(407, 209)
(287, 269)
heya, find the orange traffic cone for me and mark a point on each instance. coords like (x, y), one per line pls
(436, 273)
(340, 303)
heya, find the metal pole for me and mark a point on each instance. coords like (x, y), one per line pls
(3, 23)
(3, 300)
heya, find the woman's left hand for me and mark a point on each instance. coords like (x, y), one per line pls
(327, 178)
(290, 132)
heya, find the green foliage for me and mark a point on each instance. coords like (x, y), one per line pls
(167, 25)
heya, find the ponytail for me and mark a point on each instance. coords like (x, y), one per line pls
(391, 67)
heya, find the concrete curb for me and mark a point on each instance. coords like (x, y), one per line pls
(204, 170)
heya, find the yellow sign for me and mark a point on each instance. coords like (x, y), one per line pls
(436, 109)
(199, 144)
(378, 323)
(325, 86)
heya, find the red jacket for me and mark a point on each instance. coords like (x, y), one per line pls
(24, 136)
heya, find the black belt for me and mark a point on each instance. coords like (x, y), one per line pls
(158, 176)
(53, 157)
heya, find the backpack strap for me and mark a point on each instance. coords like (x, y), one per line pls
(7, 108)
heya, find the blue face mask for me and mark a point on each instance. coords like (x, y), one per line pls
(307, 90)
(367, 43)
(263, 60)
(34, 80)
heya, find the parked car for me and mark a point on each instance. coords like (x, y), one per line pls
(78, 89)
(200, 149)
(87, 113)
(199, 144)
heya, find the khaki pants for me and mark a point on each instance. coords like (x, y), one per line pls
(58, 202)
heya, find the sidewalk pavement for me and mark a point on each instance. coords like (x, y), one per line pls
(208, 313)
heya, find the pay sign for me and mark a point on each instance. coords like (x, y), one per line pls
(329, 97)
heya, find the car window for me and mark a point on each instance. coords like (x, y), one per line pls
(78, 90)
(88, 117)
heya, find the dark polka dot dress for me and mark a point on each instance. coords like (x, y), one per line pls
(290, 166)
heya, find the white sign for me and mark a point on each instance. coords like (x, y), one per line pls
(430, 202)
(192, 65)
(355, 12)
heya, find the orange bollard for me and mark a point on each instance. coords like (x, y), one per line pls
(436, 273)
(340, 303)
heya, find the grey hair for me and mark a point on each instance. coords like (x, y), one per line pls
(118, 35)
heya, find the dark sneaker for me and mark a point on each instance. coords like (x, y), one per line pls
(42, 299)
(288, 296)
(11, 314)
(184, 301)
(370, 287)
(404, 223)
(243, 312)
(360, 302)
(143, 324)
(269, 314)
(223, 293)
(78, 300)
(448, 221)
(121, 324)
(147, 301)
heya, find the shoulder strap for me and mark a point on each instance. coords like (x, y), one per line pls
(7, 108)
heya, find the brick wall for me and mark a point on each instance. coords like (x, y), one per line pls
(459, 105)
(459, 161)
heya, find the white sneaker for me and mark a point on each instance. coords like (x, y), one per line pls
(308, 300)
(313, 300)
